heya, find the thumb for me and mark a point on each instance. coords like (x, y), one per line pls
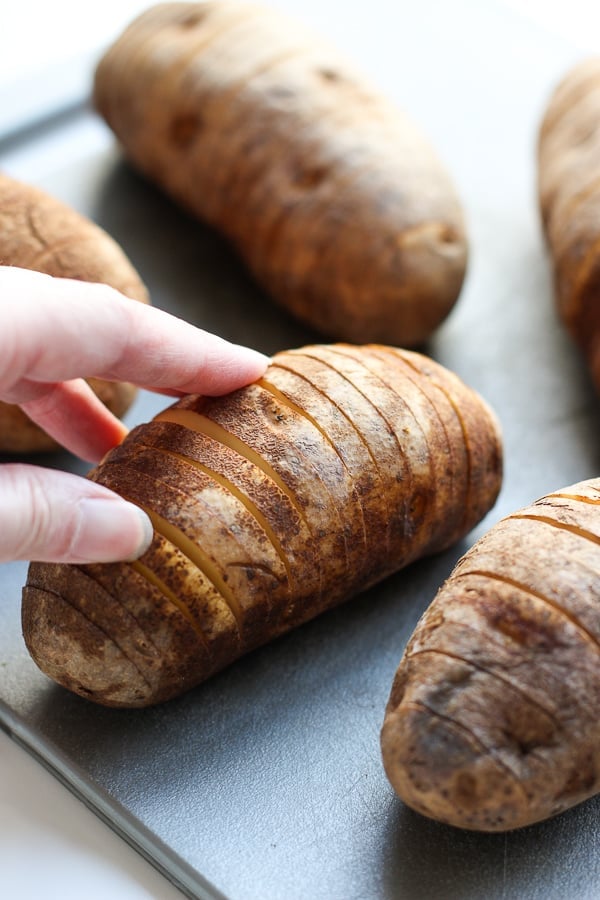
(51, 516)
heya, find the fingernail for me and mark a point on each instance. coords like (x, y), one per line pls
(147, 532)
(111, 531)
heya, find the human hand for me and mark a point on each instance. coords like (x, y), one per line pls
(55, 332)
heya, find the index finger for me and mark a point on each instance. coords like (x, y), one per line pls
(56, 329)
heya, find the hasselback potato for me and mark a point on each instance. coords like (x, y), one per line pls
(270, 505)
(492, 722)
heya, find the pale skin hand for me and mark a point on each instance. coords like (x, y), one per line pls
(53, 333)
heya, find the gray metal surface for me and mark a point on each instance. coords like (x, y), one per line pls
(266, 782)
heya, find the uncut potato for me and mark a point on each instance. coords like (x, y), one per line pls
(39, 232)
(569, 196)
(335, 200)
(270, 505)
(492, 722)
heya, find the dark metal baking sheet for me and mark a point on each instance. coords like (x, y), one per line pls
(266, 782)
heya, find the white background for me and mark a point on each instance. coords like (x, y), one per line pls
(50, 845)
(36, 34)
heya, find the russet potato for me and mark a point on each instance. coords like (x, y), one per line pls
(270, 505)
(492, 722)
(339, 206)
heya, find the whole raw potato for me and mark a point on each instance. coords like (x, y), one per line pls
(337, 203)
(39, 232)
(569, 196)
(270, 505)
(493, 718)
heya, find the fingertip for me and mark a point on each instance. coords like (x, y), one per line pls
(110, 530)
(257, 363)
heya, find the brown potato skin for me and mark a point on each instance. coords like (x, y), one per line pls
(39, 232)
(339, 206)
(492, 721)
(286, 503)
(569, 198)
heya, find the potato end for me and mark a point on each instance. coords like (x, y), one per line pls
(437, 769)
(73, 652)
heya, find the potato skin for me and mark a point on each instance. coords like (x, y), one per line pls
(270, 506)
(39, 232)
(492, 721)
(339, 206)
(569, 197)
